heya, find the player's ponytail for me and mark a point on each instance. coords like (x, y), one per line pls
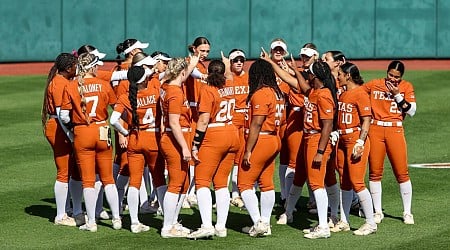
(83, 60)
(216, 71)
(134, 74)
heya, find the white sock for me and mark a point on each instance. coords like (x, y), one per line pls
(222, 207)
(143, 195)
(121, 183)
(113, 199)
(282, 174)
(267, 203)
(76, 192)
(133, 201)
(234, 186)
(406, 192)
(181, 198)
(205, 206)
(376, 191)
(90, 199)
(322, 206)
(251, 203)
(170, 207)
(333, 199)
(61, 190)
(366, 204)
(160, 193)
(116, 169)
(346, 204)
(191, 190)
(288, 180)
(294, 194)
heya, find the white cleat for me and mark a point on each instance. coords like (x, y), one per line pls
(366, 229)
(203, 232)
(378, 217)
(175, 232)
(139, 228)
(66, 221)
(221, 232)
(285, 219)
(89, 227)
(117, 223)
(340, 227)
(408, 219)
(318, 233)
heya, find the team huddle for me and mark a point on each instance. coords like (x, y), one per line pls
(182, 125)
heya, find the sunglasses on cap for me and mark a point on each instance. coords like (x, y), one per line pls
(238, 59)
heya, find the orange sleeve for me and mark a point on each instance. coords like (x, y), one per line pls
(104, 75)
(58, 89)
(66, 102)
(175, 100)
(206, 100)
(409, 93)
(260, 104)
(110, 91)
(363, 104)
(325, 105)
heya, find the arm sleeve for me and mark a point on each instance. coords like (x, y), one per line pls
(196, 73)
(119, 75)
(66, 131)
(114, 121)
(64, 116)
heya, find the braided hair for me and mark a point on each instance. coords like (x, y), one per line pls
(261, 74)
(174, 68)
(63, 62)
(216, 71)
(83, 60)
(134, 74)
(323, 72)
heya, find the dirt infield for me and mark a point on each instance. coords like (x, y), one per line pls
(42, 68)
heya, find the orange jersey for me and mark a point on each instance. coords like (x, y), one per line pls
(353, 104)
(123, 85)
(241, 90)
(105, 74)
(98, 95)
(219, 103)
(296, 99)
(175, 102)
(193, 86)
(265, 102)
(55, 93)
(147, 108)
(319, 106)
(384, 107)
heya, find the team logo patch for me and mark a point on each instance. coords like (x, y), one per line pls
(431, 165)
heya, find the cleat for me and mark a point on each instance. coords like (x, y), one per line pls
(408, 219)
(66, 221)
(237, 202)
(378, 217)
(89, 227)
(285, 219)
(176, 231)
(139, 228)
(366, 229)
(332, 221)
(103, 215)
(203, 232)
(318, 233)
(340, 227)
(309, 230)
(221, 233)
(117, 223)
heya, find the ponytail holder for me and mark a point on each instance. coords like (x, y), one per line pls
(75, 53)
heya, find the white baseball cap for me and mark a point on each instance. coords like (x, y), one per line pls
(146, 61)
(98, 54)
(136, 45)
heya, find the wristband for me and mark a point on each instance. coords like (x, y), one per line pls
(198, 138)
(360, 142)
(320, 151)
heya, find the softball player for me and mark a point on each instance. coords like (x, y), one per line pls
(392, 98)
(175, 143)
(57, 135)
(84, 105)
(214, 157)
(354, 115)
(265, 105)
(240, 79)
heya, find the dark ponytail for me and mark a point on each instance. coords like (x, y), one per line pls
(134, 74)
(216, 71)
(350, 68)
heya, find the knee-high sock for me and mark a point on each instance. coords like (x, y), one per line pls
(205, 206)
(222, 207)
(100, 194)
(90, 198)
(333, 199)
(160, 192)
(406, 192)
(133, 201)
(76, 192)
(121, 183)
(61, 190)
(251, 203)
(181, 198)
(267, 203)
(322, 206)
(376, 191)
(366, 204)
(143, 195)
(234, 187)
(288, 180)
(113, 199)
(294, 194)
(346, 204)
(282, 175)
(170, 207)
(191, 190)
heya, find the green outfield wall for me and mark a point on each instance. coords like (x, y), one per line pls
(37, 30)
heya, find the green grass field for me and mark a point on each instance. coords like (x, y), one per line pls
(27, 174)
